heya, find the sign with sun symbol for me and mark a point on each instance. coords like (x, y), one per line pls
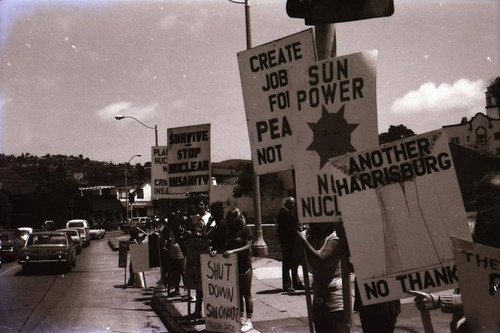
(332, 135)
(336, 114)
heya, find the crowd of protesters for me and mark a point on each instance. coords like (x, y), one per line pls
(324, 246)
(225, 234)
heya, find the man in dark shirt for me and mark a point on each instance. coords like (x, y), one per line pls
(287, 227)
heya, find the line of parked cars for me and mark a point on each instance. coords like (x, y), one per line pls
(48, 246)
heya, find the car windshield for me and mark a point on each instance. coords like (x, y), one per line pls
(6, 236)
(51, 239)
(73, 233)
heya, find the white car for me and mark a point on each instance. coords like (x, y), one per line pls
(84, 235)
(97, 233)
(25, 232)
(75, 237)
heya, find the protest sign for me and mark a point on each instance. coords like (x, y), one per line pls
(194, 247)
(269, 102)
(188, 159)
(139, 255)
(400, 204)
(336, 114)
(159, 172)
(478, 267)
(122, 254)
(221, 293)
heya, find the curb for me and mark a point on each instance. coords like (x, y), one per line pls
(168, 313)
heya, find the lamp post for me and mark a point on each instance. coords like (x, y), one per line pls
(259, 246)
(121, 116)
(126, 186)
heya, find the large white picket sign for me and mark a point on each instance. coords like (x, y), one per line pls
(337, 114)
(269, 101)
(400, 204)
(478, 269)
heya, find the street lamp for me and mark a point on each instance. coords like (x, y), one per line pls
(126, 187)
(121, 116)
(247, 20)
(259, 245)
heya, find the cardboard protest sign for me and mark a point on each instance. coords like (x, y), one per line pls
(336, 114)
(122, 254)
(400, 204)
(159, 174)
(265, 83)
(478, 268)
(194, 247)
(188, 159)
(221, 293)
(139, 255)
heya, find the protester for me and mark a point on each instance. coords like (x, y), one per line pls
(199, 228)
(377, 318)
(164, 253)
(201, 217)
(486, 232)
(324, 251)
(217, 234)
(177, 254)
(287, 226)
(238, 239)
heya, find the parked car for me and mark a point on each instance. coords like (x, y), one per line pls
(48, 247)
(133, 222)
(11, 243)
(75, 237)
(84, 235)
(49, 225)
(78, 223)
(97, 233)
(25, 232)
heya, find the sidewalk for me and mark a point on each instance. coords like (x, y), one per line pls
(274, 310)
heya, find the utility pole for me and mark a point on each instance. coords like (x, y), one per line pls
(259, 246)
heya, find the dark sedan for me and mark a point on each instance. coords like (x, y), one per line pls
(12, 243)
(48, 247)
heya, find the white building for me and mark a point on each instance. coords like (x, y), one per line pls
(481, 132)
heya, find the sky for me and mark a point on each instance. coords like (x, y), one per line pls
(67, 67)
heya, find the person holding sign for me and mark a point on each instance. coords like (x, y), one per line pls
(486, 232)
(238, 239)
(201, 219)
(177, 254)
(324, 251)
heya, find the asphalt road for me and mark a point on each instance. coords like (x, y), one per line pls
(88, 299)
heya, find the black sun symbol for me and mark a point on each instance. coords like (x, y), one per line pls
(331, 135)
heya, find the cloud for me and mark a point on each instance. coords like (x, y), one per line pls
(169, 21)
(127, 108)
(430, 98)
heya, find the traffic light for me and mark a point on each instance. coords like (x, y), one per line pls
(131, 197)
(336, 11)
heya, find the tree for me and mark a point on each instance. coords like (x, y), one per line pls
(395, 133)
(494, 88)
(271, 188)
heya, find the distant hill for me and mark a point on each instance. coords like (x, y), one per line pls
(234, 164)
